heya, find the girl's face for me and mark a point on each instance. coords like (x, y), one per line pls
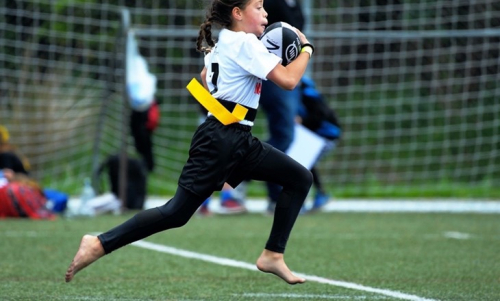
(253, 19)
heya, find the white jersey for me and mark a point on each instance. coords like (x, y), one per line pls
(236, 67)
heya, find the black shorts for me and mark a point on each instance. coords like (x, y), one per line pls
(219, 154)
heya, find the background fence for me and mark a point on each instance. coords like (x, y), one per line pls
(415, 84)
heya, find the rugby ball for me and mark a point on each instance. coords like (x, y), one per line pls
(281, 39)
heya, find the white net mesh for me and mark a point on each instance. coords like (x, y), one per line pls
(414, 83)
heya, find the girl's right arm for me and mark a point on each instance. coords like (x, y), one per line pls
(289, 77)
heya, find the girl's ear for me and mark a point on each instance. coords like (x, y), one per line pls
(237, 15)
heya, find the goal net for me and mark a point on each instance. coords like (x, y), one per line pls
(414, 84)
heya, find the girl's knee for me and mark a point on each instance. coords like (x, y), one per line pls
(307, 178)
(173, 217)
(303, 180)
(179, 210)
(179, 222)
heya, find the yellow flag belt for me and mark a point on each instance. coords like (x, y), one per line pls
(214, 106)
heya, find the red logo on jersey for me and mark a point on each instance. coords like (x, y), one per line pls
(258, 88)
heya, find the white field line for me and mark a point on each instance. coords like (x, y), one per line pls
(248, 266)
(456, 235)
(310, 296)
(83, 298)
(9, 233)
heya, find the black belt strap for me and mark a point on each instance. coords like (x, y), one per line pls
(229, 105)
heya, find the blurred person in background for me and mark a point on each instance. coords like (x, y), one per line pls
(315, 115)
(280, 106)
(143, 124)
(10, 157)
(21, 197)
(12, 161)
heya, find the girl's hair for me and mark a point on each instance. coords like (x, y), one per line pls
(219, 12)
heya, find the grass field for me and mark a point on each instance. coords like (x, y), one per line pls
(345, 256)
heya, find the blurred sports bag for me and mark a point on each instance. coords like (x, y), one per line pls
(136, 180)
(21, 200)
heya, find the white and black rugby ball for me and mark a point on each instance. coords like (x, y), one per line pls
(281, 39)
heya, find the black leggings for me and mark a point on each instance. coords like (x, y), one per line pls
(276, 167)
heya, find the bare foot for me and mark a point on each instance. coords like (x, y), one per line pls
(89, 251)
(272, 262)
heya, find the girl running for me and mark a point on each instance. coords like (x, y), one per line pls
(234, 69)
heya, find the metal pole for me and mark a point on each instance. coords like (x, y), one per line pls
(110, 81)
(122, 181)
(306, 10)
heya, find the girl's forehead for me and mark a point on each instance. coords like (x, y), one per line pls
(255, 2)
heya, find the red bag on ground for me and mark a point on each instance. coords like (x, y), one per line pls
(24, 201)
